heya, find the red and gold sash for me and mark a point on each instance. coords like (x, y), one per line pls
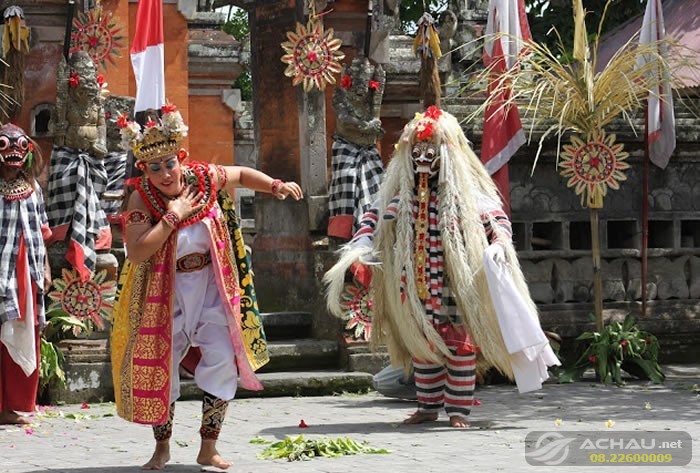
(142, 324)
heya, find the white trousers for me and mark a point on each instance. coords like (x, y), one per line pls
(200, 320)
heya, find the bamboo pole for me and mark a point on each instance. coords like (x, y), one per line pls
(645, 212)
(597, 276)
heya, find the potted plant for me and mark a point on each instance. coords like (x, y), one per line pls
(58, 326)
(620, 346)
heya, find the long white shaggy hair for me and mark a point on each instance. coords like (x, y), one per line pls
(464, 190)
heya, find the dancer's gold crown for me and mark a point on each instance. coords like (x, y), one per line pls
(157, 139)
(155, 145)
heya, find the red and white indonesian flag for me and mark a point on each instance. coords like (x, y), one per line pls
(661, 122)
(147, 56)
(503, 133)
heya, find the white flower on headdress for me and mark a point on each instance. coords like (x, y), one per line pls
(173, 125)
(131, 134)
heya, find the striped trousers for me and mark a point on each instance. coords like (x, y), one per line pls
(450, 385)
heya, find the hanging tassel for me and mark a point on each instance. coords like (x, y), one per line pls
(15, 46)
(427, 47)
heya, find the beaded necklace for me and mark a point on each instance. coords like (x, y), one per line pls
(194, 174)
(15, 189)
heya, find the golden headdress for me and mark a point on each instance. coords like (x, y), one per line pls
(157, 139)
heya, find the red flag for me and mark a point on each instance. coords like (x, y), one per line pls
(506, 29)
(661, 122)
(147, 56)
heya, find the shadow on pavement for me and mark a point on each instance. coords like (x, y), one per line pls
(441, 425)
(675, 400)
(170, 468)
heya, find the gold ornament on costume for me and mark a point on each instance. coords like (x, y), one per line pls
(357, 304)
(422, 238)
(91, 301)
(157, 139)
(97, 34)
(594, 166)
(312, 54)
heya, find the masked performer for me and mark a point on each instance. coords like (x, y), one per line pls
(24, 274)
(179, 288)
(433, 242)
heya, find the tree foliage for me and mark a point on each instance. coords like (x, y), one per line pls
(410, 12)
(543, 15)
(237, 26)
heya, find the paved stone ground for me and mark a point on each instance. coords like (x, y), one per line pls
(104, 443)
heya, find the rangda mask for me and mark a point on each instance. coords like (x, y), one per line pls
(15, 146)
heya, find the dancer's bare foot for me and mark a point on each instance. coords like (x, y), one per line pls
(11, 417)
(419, 417)
(458, 422)
(160, 457)
(209, 456)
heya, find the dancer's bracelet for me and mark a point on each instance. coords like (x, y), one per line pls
(171, 219)
(275, 186)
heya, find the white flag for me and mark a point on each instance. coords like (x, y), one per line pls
(661, 123)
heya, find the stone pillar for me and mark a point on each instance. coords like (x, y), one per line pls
(312, 154)
(282, 257)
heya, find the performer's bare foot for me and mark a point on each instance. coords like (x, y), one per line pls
(458, 422)
(11, 417)
(419, 417)
(160, 457)
(209, 456)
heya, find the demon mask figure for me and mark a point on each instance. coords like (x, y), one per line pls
(15, 146)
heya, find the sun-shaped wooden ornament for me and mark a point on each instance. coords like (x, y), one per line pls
(312, 55)
(357, 302)
(594, 166)
(90, 301)
(98, 35)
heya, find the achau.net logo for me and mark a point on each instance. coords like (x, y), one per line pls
(579, 448)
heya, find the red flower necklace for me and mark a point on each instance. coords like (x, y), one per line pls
(194, 174)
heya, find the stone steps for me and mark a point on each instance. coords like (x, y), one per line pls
(286, 325)
(297, 354)
(295, 383)
(299, 365)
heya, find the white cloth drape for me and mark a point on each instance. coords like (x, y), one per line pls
(527, 344)
(19, 336)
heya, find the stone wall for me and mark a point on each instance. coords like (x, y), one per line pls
(553, 237)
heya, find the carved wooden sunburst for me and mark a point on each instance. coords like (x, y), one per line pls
(312, 55)
(594, 166)
(97, 34)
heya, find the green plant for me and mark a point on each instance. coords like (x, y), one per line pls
(299, 448)
(58, 325)
(238, 27)
(620, 346)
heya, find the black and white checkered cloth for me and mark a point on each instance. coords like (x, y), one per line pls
(21, 217)
(115, 166)
(76, 183)
(357, 175)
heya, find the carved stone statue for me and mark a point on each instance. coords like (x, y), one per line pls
(357, 166)
(77, 176)
(115, 105)
(357, 102)
(115, 161)
(79, 121)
